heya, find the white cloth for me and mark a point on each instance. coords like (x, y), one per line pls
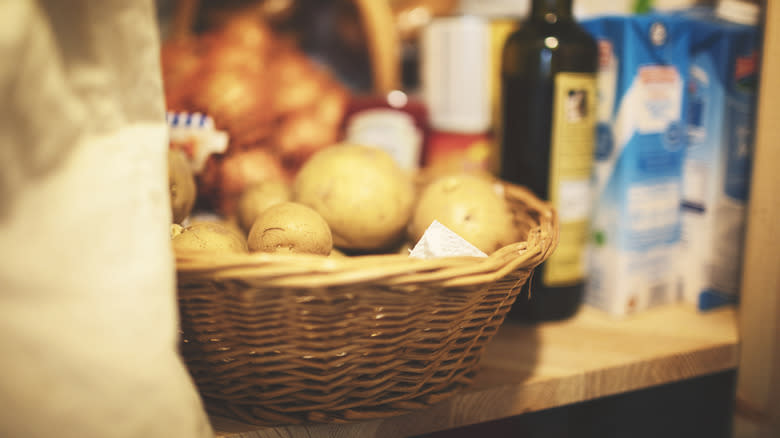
(87, 307)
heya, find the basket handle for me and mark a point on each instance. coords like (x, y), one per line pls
(383, 43)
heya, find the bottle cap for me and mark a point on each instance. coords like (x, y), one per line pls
(456, 80)
(585, 9)
(739, 11)
(495, 8)
(672, 5)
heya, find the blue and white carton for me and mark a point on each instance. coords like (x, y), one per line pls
(722, 90)
(634, 250)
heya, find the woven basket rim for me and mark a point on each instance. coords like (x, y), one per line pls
(313, 271)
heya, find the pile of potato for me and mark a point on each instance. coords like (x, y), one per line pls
(352, 199)
(277, 106)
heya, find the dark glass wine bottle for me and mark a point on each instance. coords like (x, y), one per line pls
(548, 132)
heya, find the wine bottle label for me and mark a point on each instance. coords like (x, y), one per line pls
(571, 160)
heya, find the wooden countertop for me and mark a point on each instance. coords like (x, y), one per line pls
(530, 368)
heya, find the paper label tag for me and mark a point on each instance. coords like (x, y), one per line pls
(194, 133)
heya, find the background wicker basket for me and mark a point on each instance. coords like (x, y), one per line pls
(273, 340)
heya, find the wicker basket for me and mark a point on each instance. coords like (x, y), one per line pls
(276, 340)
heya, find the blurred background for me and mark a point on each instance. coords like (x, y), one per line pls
(423, 80)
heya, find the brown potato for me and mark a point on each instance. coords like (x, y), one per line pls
(362, 193)
(257, 198)
(209, 236)
(470, 206)
(291, 228)
(181, 184)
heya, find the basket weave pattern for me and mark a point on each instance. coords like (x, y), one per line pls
(272, 340)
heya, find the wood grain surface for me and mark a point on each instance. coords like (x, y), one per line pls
(758, 388)
(530, 368)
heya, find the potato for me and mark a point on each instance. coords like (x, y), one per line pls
(210, 236)
(231, 223)
(257, 198)
(181, 184)
(362, 193)
(291, 228)
(469, 206)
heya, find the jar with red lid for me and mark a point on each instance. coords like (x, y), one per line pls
(395, 122)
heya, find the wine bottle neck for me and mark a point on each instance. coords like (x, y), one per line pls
(551, 10)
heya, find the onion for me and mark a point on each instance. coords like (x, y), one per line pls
(297, 83)
(179, 59)
(299, 137)
(277, 106)
(223, 56)
(180, 63)
(332, 105)
(226, 177)
(247, 31)
(239, 102)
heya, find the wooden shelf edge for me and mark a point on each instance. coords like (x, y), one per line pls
(588, 357)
